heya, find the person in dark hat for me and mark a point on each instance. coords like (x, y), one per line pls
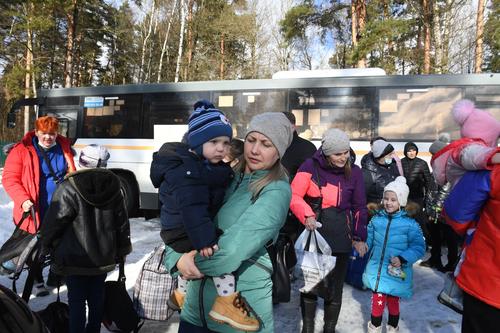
(419, 180)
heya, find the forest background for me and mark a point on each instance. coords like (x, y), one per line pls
(73, 43)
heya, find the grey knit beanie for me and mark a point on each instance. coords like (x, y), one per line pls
(335, 141)
(381, 148)
(276, 127)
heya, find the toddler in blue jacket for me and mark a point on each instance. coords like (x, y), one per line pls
(192, 180)
(395, 242)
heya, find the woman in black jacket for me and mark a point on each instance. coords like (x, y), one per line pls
(379, 169)
(87, 232)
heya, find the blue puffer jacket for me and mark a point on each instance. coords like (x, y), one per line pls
(392, 235)
(191, 191)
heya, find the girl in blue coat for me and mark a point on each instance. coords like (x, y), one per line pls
(396, 242)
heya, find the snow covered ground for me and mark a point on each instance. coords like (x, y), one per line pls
(422, 313)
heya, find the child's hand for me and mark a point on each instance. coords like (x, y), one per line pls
(208, 251)
(395, 262)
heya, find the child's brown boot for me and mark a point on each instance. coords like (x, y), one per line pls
(176, 300)
(234, 311)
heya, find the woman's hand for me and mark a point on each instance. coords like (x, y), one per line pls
(361, 247)
(187, 268)
(395, 262)
(26, 206)
(310, 223)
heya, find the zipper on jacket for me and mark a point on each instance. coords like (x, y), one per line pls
(383, 252)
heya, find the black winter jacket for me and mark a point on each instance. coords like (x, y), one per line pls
(418, 177)
(191, 191)
(86, 227)
(299, 150)
(376, 177)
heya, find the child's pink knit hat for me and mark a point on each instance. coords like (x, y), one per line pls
(476, 123)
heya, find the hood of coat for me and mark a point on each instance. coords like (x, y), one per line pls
(410, 145)
(98, 187)
(171, 154)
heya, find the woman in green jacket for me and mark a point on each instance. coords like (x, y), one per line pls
(255, 207)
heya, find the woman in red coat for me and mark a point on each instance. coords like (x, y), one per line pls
(32, 170)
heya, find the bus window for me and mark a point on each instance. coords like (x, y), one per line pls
(349, 109)
(116, 117)
(169, 109)
(485, 98)
(417, 114)
(67, 120)
(241, 106)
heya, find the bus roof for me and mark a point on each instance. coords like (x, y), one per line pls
(348, 72)
(415, 81)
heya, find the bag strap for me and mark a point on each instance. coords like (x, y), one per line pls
(312, 234)
(318, 180)
(121, 272)
(49, 165)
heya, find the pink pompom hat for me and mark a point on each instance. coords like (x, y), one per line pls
(476, 123)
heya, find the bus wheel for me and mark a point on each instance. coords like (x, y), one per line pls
(130, 195)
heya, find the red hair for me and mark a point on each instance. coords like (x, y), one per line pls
(47, 124)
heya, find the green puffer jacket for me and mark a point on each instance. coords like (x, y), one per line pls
(247, 228)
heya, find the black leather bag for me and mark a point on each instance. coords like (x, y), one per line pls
(119, 313)
(16, 243)
(56, 316)
(283, 258)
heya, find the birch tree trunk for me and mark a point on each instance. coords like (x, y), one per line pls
(181, 40)
(446, 36)
(478, 57)
(190, 44)
(145, 41)
(71, 19)
(438, 42)
(164, 47)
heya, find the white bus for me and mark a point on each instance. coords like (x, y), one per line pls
(134, 120)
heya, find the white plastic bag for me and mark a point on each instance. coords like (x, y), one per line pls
(312, 265)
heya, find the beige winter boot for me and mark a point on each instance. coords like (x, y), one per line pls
(391, 329)
(374, 329)
(234, 311)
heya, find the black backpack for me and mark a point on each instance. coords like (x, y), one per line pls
(16, 316)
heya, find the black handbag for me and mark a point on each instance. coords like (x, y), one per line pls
(17, 242)
(283, 259)
(56, 316)
(119, 313)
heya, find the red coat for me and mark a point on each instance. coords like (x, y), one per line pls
(21, 175)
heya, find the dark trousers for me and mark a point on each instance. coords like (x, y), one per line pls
(479, 317)
(85, 290)
(439, 232)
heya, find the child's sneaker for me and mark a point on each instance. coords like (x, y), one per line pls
(234, 311)
(176, 300)
(40, 290)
